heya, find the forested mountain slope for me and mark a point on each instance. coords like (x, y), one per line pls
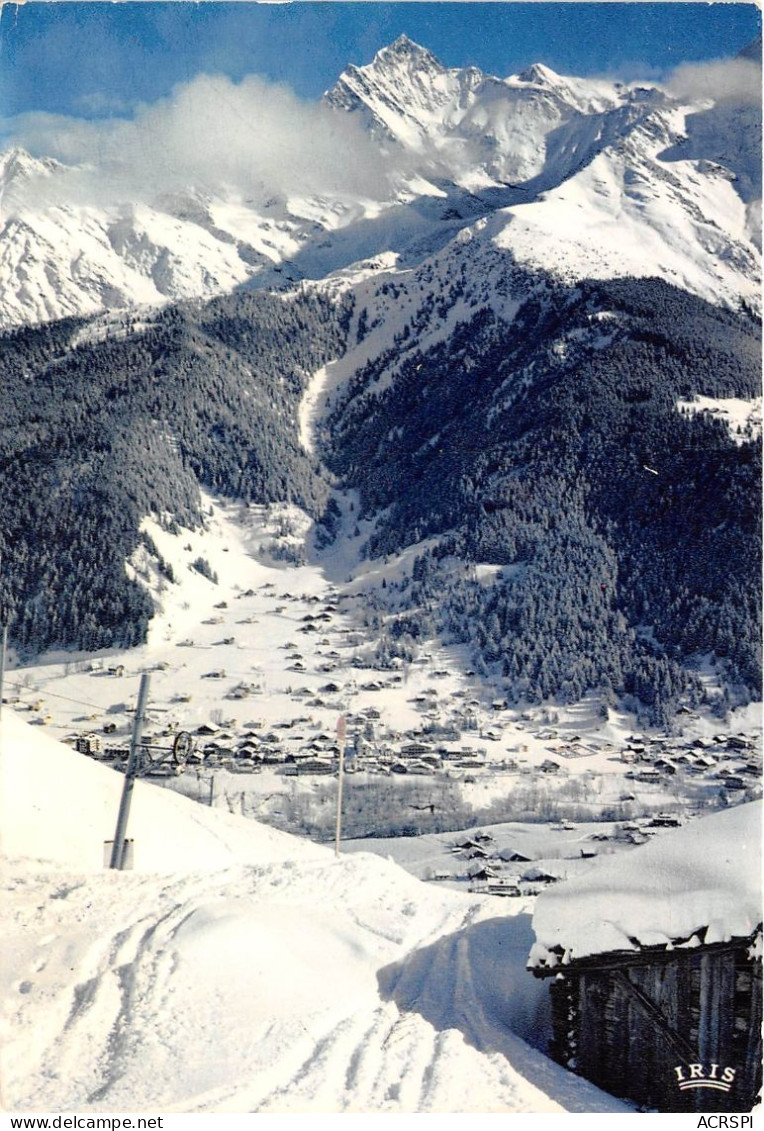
(103, 424)
(541, 435)
(553, 446)
(507, 326)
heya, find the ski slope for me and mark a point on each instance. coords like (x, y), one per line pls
(238, 969)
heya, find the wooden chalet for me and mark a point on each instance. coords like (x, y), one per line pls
(418, 766)
(514, 856)
(656, 986)
(479, 871)
(89, 744)
(666, 821)
(415, 750)
(501, 887)
(639, 1025)
(315, 766)
(538, 875)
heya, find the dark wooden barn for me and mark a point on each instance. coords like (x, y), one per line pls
(673, 1030)
(654, 961)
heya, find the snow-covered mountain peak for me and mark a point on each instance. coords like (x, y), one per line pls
(461, 124)
(538, 73)
(16, 164)
(405, 93)
(456, 143)
(583, 95)
(405, 50)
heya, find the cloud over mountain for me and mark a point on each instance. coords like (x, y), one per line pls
(256, 136)
(724, 80)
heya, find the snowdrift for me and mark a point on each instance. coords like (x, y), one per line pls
(705, 877)
(238, 969)
(59, 806)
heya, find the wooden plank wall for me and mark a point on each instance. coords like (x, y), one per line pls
(629, 1026)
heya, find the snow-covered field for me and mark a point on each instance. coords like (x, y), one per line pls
(240, 969)
(743, 418)
(237, 968)
(274, 652)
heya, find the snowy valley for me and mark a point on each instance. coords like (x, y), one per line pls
(435, 476)
(434, 1009)
(259, 659)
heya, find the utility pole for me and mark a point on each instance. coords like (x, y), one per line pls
(118, 848)
(3, 649)
(341, 733)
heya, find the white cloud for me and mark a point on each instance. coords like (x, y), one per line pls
(255, 136)
(723, 80)
(100, 103)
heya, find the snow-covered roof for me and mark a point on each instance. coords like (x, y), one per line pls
(699, 884)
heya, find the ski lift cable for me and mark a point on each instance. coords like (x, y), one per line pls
(55, 695)
(68, 698)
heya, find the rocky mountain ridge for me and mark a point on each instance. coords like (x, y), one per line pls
(657, 186)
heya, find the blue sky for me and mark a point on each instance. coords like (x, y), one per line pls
(96, 59)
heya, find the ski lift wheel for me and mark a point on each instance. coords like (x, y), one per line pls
(182, 747)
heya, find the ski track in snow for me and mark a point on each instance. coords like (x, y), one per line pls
(136, 1014)
(261, 974)
(306, 984)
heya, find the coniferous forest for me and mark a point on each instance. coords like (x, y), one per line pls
(625, 530)
(628, 530)
(98, 434)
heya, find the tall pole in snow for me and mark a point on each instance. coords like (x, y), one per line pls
(3, 649)
(3, 641)
(118, 848)
(341, 733)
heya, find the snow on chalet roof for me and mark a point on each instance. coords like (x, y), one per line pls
(701, 883)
